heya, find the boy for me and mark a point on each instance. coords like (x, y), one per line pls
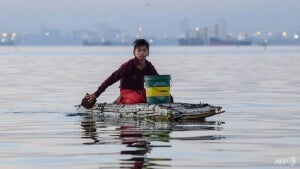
(131, 74)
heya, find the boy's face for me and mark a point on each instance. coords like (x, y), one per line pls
(141, 52)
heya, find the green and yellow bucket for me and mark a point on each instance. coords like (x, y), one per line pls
(157, 88)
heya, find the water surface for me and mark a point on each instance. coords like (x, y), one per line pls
(259, 89)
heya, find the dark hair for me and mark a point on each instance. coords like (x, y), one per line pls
(140, 42)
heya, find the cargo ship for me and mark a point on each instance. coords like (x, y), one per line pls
(190, 41)
(220, 42)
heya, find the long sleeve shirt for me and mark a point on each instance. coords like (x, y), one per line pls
(131, 77)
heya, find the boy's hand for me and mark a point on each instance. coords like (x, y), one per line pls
(91, 98)
(88, 101)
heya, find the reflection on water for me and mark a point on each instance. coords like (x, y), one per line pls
(259, 89)
(139, 136)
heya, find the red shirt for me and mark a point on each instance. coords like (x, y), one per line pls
(131, 77)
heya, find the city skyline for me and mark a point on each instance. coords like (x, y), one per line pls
(155, 17)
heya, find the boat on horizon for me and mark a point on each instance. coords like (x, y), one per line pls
(220, 42)
(96, 43)
(190, 41)
(105, 43)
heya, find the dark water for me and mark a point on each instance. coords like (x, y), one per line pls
(259, 89)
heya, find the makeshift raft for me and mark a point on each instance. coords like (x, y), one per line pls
(158, 112)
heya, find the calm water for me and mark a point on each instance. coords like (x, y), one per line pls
(259, 89)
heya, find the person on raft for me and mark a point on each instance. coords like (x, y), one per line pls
(131, 75)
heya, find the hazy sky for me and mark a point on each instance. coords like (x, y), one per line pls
(155, 16)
